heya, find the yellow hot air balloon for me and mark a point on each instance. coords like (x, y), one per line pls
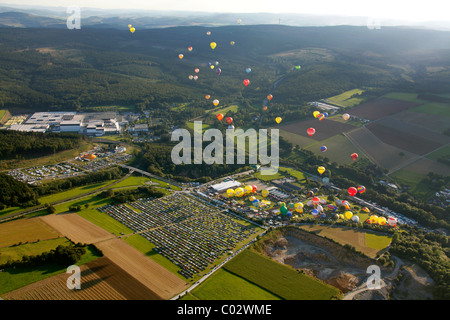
(248, 189)
(373, 219)
(316, 114)
(341, 216)
(382, 221)
(232, 43)
(213, 45)
(321, 169)
(230, 193)
(252, 198)
(278, 119)
(348, 215)
(265, 193)
(298, 207)
(216, 102)
(132, 29)
(239, 192)
(180, 56)
(365, 209)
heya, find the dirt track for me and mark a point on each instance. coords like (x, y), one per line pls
(158, 279)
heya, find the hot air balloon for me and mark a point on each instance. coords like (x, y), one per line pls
(212, 67)
(239, 21)
(195, 77)
(278, 119)
(248, 189)
(382, 221)
(265, 193)
(269, 97)
(220, 117)
(232, 43)
(310, 194)
(265, 108)
(218, 71)
(325, 180)
(216, 102)
(348, 215)
(297, 67)
(190, 48)
(229, 120)
(197, 70)
(352, 191)
(252, 198)
(315, 212)
(298, 207)
(323, 148)
(345, 116)
(239, 192)
(246, 82)
(361, 189)
(341, 216)
(283, 210)
(180, 56)
(346, 205)
(332, 208)
(129, 26)
(230, 193)
(255, 203)
(321, 117)
(208, 33)
(191, 77)
(254, 188)
(392, 221)
(365, 209)
(316, 200)
(373, 219)
(316, 114)
(354, 156)
(321, 169)
(319, 208)
(355, 218)
(207, 97)
(325, 114)
(132, 29)
(213, 45)
(216, 63)
(248, 70)
(311, 131)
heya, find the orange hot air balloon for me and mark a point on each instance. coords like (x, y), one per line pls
(197, 70)
(220, 116)
(207, 97)
(180, 56)
(269, 97)
(229, 120)
(246, 82)
(311, 131)
(265, 108)
(190, 48)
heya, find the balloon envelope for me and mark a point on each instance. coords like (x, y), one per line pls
(216, 102)
(348, 215)
(132, 29)
(321, 169)
(355, 218)
(316, 200)
(278, 119)
(229, 120)
(392, 221)
(373, 219)
(218, 70)
(213, 45)
(232, 43)
(248, 70)
(321, 117)
(352, 191)
(361, 189)
(230, 192)
(297, 67)
(248, 189)
(246, 82)
(190, 48)
(323, 148)
(239, 192)
(316, 114)
(346, 116)
(180, 56)
(311, 131)
(265, 193)
(207, 97)
(269, 97)
(220, 117)
(354, 156)
(315, 212)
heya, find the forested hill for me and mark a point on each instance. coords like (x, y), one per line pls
(60, 69)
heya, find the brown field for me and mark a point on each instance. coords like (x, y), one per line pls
(407, 137)
(382, 154)
(148, 272)
(101, 279)
(425, 166)
(324, 129)
(25, 230)
(432, 123)
(380, 108)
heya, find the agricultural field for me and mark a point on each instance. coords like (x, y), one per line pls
(279, 279)
(324, 129)
(367, 242)
(345, 99)
(434, 109)
(380, 153)
(339, 149)
(432, 123)
(232, 287)
(223, 110)
(381, 107)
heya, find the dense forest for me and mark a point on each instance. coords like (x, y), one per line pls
(23, 145)
(14, 193)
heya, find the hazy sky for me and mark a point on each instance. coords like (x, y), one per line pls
(415, 10)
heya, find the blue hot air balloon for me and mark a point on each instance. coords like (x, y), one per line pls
(248, 70)
(323, 148)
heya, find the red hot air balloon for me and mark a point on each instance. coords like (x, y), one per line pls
(352, 191)
(316, 200)
(229, 120)
(311, 131)
(246, 82)
(220, 116)
(354, 156)
(269, 97)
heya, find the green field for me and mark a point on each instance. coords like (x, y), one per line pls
(233, 108)
(2, 114)
(345, 99)
(279, 279)
(406, 96)
(232, 287)
(415, 180)
(12, 279)
(441, 152)
(433, 108)
(132, 181)
(377, 241)
(297, 139)
(339, 149)
(190, 126)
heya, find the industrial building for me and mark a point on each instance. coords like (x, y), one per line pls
(94, 124)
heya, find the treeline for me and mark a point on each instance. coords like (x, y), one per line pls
(122, 196)
(429, 250)
(60, 185)
(20, 145)
(62, 256)
(15, 194)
